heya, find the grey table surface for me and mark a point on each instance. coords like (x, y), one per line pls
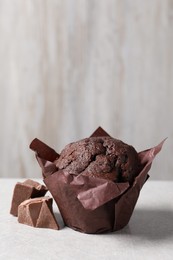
(149, 234)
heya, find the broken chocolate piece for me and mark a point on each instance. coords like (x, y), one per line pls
(37, 212)
(26, 190)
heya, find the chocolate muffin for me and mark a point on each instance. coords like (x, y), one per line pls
(103, 157)
(78, 180)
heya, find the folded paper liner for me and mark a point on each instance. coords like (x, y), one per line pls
(88, 204)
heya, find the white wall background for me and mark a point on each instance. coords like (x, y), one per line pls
(68, 66)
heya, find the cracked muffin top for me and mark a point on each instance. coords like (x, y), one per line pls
(102, 157)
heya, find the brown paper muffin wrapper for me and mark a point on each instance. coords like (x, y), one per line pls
(88, 204)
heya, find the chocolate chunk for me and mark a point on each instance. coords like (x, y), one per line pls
(26, 190)
(37, 212)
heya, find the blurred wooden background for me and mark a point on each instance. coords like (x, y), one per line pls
(68, 66)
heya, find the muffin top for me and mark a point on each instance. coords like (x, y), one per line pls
(102, 157)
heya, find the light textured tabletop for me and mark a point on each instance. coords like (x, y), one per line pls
(149, 234)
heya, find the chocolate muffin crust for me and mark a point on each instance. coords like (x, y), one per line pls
(103, 157)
